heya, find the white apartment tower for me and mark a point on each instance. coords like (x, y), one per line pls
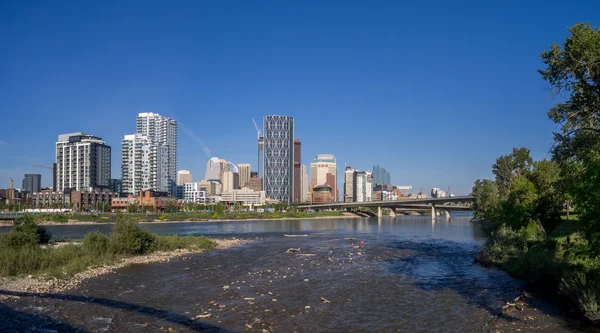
(82, 162)
(143, 164)
(163, 132)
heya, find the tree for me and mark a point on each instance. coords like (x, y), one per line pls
(486, 198)
(573, 72)
(508, 167)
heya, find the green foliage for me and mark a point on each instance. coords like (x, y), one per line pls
(27, 230)
(95, 243)
(508, 167)
(21, 254)
(170, 243)
(487, 199)
(586, 292)
(129, 239)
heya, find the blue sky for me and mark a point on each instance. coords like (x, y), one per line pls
(432, 91)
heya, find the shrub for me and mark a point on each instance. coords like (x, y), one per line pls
(128, 238)
(170, 243)
(30, 232)
(95, 243)
(582, 290)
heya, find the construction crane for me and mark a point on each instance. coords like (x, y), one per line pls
(257, 129)
(42, 166)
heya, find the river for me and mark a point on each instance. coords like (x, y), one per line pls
(404, 274)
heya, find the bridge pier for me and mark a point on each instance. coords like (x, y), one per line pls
(432, 211)
(379, 211)
(392, 212)
(447, 214)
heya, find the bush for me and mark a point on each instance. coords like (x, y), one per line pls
(584, 293)
(95, 243)
(128, 238)
(26, 231)
(170, 243)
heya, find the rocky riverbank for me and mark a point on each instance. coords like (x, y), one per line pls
(34, 284)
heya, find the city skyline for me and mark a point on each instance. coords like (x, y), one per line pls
(331, 77)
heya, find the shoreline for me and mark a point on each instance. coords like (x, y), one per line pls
(41, 284)
(76, 222)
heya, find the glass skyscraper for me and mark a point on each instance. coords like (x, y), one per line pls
(279, 157)
(381, 176)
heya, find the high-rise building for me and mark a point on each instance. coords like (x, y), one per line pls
(279, 158)
(349, 184)
(360, 186)
(304, 181)
(369, 186)
(323, 170)
(183, 177)
(161, 131)
(82, 162)
(32, 183)
(54, 177)
(116, 185)
(297, 175)
(214, 169)
(381, 176)
(228, 181)
(144, 165)
(244, 173)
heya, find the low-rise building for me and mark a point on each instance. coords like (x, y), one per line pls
(322, 194)
(246, 196)
(159, 201)
(194, 192)
(255, 184)
(75, 200)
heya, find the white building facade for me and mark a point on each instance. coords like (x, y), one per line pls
(245, 196)
(144, 165)
(161, 131)
(82, 162)
(195, 193)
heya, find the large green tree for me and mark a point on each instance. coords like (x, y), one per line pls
(486, 198)
(573, 72)
(508, 167)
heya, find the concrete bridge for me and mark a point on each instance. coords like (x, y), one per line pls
(10, 216)
(445, 205)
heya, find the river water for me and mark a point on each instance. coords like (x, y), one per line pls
(404, 274)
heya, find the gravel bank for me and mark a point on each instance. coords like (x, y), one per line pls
(52, 285)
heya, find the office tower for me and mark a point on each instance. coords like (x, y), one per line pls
(214, 169)
(254, 174)
(349, 184)
(82, 162)
(323, 170)
(381, 176)
(297, 174)
(32, 183)
(369, 186)
(183, 177)
(116, 185)
(144, 164)
(161, 131)
(244, 174)
(279, 157)
(304, 181)
(228, 181)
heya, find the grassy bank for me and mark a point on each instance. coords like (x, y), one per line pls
(559, 263)
(23, 250)
(179, 216)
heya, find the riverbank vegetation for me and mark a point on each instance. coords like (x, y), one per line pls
(523, 207)
(178, 216)
(25, 249)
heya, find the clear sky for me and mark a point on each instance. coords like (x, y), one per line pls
(432, 91)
